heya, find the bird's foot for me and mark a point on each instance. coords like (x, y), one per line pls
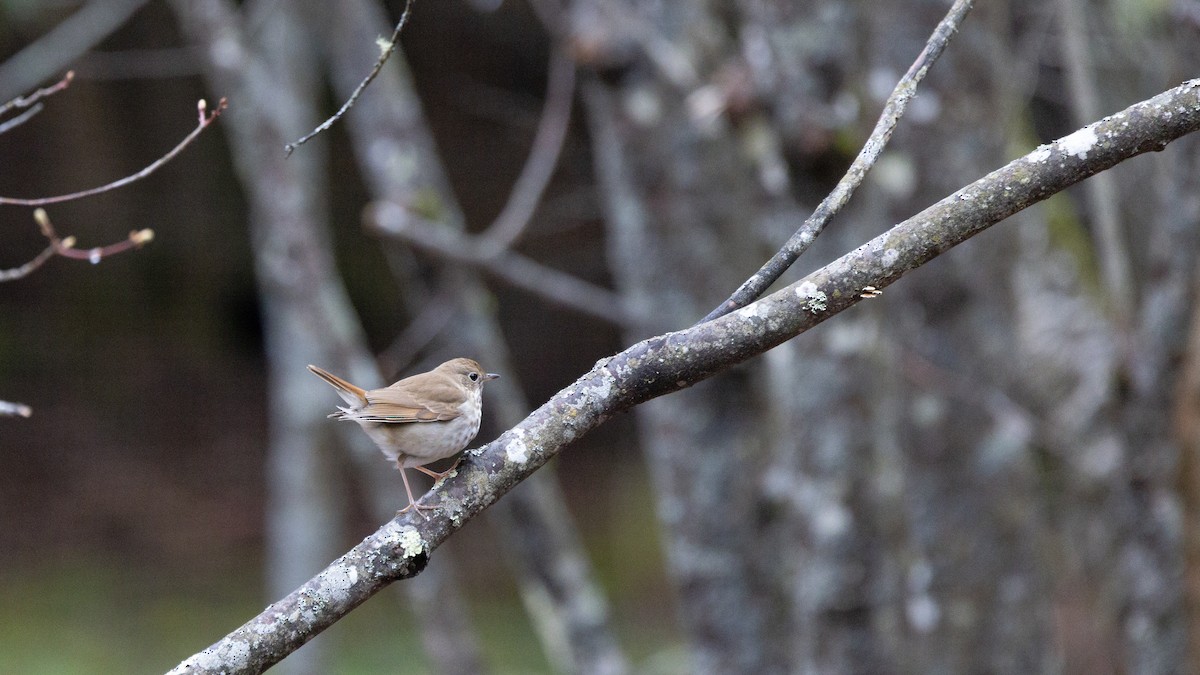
(437, 476)
(413, 506)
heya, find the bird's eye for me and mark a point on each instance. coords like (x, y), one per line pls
(474, 377)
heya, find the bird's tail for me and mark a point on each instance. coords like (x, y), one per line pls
(355, 397)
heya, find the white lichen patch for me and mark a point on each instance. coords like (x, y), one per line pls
(238, 655)
(411, 543)
(1079, 143)
(599, 387)
(1041, 154)
(388, 539)
(753, 311)
(814, 298)
(339, 578)
(263, 627)
(516, 450)
(890, 256)
(230, 655)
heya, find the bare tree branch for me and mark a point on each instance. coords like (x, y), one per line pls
(673, 361)
(31, 103)
(829, 207)
(543, 157)
(26, 101)
(520, 271)
(24, 117)
(66, 248)
(205, 119)
(386, 50)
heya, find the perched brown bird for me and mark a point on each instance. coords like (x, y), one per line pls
(420, 419)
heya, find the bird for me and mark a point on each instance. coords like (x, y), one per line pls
(420, 419)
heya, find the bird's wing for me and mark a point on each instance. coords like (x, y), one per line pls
(397, 403)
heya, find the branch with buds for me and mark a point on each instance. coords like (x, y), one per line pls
(31, 104)
(205, 119)
(65, 247)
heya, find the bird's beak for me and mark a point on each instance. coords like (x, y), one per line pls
(490, 376)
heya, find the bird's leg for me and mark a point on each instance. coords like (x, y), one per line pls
(412, 503)
(439, 476)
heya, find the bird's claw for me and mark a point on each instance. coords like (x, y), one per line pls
(413, 506)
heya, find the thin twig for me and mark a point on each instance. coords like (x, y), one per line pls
(32, 102)
(24, 117)
(65, 247)
(28, 101)
(206, 118)
(28, 268)
(543, 157)
(386, 50)
(893, 110)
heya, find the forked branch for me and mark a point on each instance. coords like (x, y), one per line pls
(829, 207)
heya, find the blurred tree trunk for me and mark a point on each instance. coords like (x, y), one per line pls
(703, 450)
(271, 75)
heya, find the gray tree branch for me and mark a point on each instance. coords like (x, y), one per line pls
(555, 286)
